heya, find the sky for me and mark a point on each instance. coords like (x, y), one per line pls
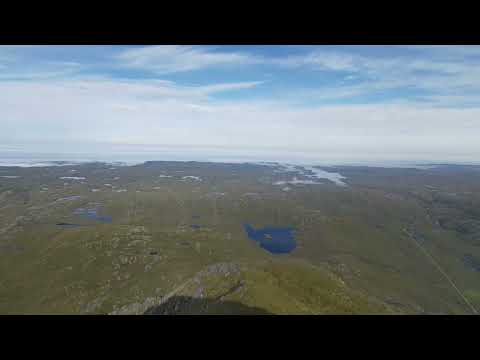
(340, 104)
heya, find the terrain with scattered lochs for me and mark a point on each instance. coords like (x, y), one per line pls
(218, 238)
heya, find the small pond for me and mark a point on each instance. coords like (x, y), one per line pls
(471, 262)
(92, 214)
(277, 240)
(68, 225)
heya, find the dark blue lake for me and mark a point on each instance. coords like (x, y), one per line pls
(68, 225)
(471, 262)
(277, 240)
(92, 214)
(195, 226)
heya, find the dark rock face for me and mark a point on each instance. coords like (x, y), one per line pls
(185, 305)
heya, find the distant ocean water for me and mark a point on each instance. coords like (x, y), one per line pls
(36, 160)
(131, 155)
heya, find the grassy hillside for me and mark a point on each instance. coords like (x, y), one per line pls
(392, 241)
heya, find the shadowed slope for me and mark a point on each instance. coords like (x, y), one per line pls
(185, 305)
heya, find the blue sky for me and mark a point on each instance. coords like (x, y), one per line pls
(368, 102)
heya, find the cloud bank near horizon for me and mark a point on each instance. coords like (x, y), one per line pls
(408, 103)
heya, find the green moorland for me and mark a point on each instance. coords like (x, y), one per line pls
(394, 241)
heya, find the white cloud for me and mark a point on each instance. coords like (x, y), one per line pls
(230, 86)
(53, 101)
(162, 114)
(323, 60)
(164, 59)
(434, 71)
(441, 70)
(438, 76)
(451, 51)
(16, 63)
